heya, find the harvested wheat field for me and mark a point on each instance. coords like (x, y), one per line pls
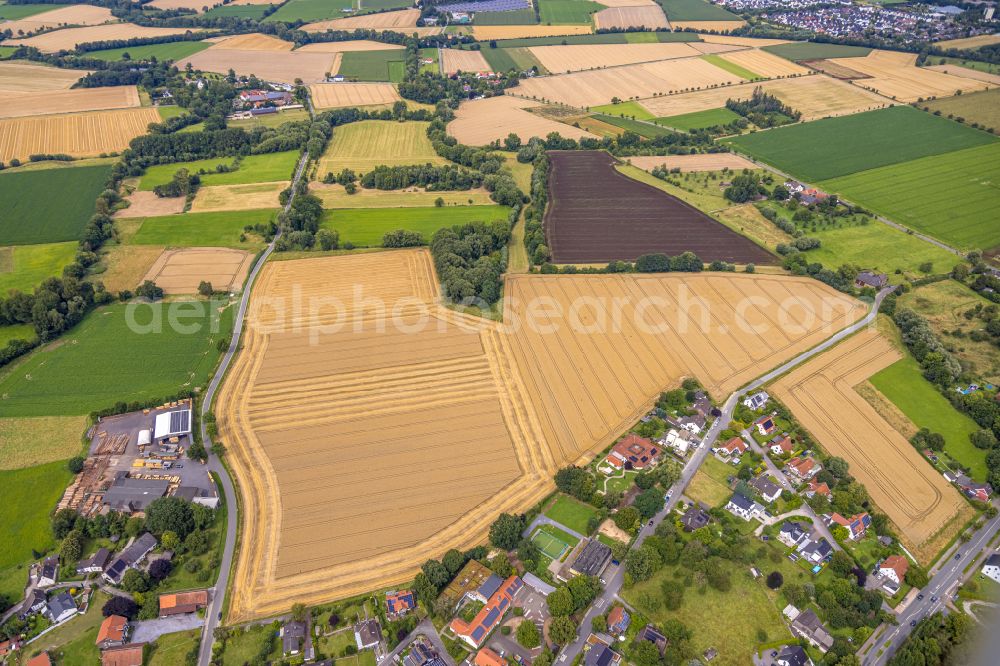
(709, 48)
(816, 96)
(753, 42)
(455, 60)
(76, 134)
(334, 196)
(147, 204)
(649, 16)
(404, 21)
(765, 64)
(68, 38)
(249, 196)
(254, 41)
(571, 58)
(181, 271)
(194, 5)
(364, 145)
(284, 66)
(21, 76)
(487, 32)
(336, 95)
(591, 88)
(965, 72)
(900, 482)
(72, 15)
(127, 265)
(308, 411)
(481, 121)
(348, 46)
(894, 75)
(70, 101)
(698, 162)
(969, 43)
(718, 26)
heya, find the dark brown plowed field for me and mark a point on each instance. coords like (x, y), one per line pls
(597, 214)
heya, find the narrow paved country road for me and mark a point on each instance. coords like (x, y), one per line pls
(213, 614)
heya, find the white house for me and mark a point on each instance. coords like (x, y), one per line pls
(791, 533)
(676, 441)
(894, 568)
(742, 507)
(756, 400)
(60, 608)
(991, 568)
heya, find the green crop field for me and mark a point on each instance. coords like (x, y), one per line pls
(48, 205)
(731, 67)
(373, 65)
(29, 495)
(624, 110)
(170, 51)
(33, 263)
(701, 119)
(516, 17)
(311, 10)
(979, 107)
(121, 352)
(953, 196)
(239, 11)
(642, 129)
(367, 6)
(597, 38)
(695, 10)
(572, 513)
(904, 385)
(216, 229)
(567, 12)
(812, 51)
(363, 145)
(6, 51)
(500, 60)
(365, 227)
(849, 144)
(978, 65)
(271, 119)
(642, 37)
(15, 12)
(265, 168)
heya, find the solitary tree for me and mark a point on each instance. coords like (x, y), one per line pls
(775, 580)
(528, 634)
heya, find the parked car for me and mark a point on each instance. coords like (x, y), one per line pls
(913, 623)
(958, 556)
(920, 596)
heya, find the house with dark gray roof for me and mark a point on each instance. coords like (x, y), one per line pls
(592, 560)
(808, 626)
(768, 489)
(130, 495)
(293, 636)
(743, 507)
(791, 533)
(96, 563)
(367, 634)
(816, 551)
(49, 573)
(695, 518)
(793, 655)
(60, 608)
(130, 558)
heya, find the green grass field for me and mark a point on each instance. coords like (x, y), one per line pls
(701, 119)
(516, 17)
(14, 12)
(265, 168)
(170, 51)
(107, 359)
(216, 229)
(364, 145)
(29, 495)
(373, 65)
(567, 12)
(171, 649)
(695, 10)
(949, 196)
(731, 67)
(506, 59)
(979, 107)
(16, 332)
(858, 142)
(73, 643)
(311, 10)
(571, 513)
(242, 647)
(904, 385)
(48, 205)
(33, 263)
(812, 51)
(239, 11)
(365, 227)
(551, 546)
(624, 110)
(710, 484)
(642, 129)
(271, 120)
(978, 65)
(6, 51)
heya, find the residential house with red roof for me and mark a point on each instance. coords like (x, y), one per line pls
(818, 488)
(488, 618)
(856, 525)
(894, 568)
(735, 446)
(633, 452)
(112, 632)
(803, 468)
(399, 603)
(765, 425)
(126, 655)
(781, 444)
(487, 657)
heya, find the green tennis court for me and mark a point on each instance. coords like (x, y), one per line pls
(549, 545)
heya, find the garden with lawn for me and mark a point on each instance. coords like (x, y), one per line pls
(571, 512)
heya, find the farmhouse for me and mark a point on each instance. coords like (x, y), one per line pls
(807, 625)
(49, 574)
(894, 568)
(781, 444)
(991, 567)
(126, 655)
(367, 634)
(95, 563)
(113, 632)
(183, 602)
(856, 525)
(765, 425)
(744, 508)
(869, 279)
(399, 603)
(756, 400)
(60, 608)
(474, 633)
(735, 446)
(592, 560)
(768, 489)
(633, 452)
(130, 558)
(970, 488)
(803, 468)
(293, 635)
(695, 518)
(792, 533)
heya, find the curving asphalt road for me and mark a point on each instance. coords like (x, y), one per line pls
(213, 614)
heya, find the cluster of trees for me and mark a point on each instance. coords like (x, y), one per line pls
(567, 600)
(628, 144)
(937, 640)
(56, 305)
(433, 178)
(471, 259)
(182, 184)
(801, 244)
(744, 187)
(686, 262)
(939, 366)
(403, 238)
(534, 233)
(841, 279)
(435, 575)
(763, 109)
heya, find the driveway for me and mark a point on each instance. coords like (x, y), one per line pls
(147, 631)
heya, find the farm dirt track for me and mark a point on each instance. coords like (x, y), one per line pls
(592, 88)
(559, 59)
(478, 122)
(76, 134)
(70, 101)
(650, 16)
(21, 76)
(699, 162)
(68, 38)
(337, 95)
(331, 511)
(283, 66)
(624, 218)
(894, 75)
(900, 482)
(816, 96)
(180, 271)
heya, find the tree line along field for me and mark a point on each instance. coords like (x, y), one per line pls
(103, 361)
(33, 215)
(215, 229)
(365, 227)
(263, 168)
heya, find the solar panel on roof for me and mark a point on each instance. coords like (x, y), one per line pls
(179, 421)
(477, 633)
(503, 604)
(491, 617)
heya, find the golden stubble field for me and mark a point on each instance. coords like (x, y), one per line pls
(574, 57)
(622, 17)
(480, 121)
(22, 76)
(72, 15)
(404, 20)
(900, 482)
(696, 162)
(76, 134)
(373, 431)
(454, 60)
(70, 101)
(68, 38)
(180, 271)
(337, 95)
(895, 75)
(271, 65)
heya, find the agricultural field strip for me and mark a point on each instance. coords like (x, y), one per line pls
(901, 483)
(68, 38)
(574, 57)
(623, 17)
(894, 75)
(481, 121)
(454, 60)
(69, 101)
(22, 76)
(79, 134)
(763, 63)
(697, 162)
(180, 271)
(71, 15)
(284, 66)
(336, 95)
